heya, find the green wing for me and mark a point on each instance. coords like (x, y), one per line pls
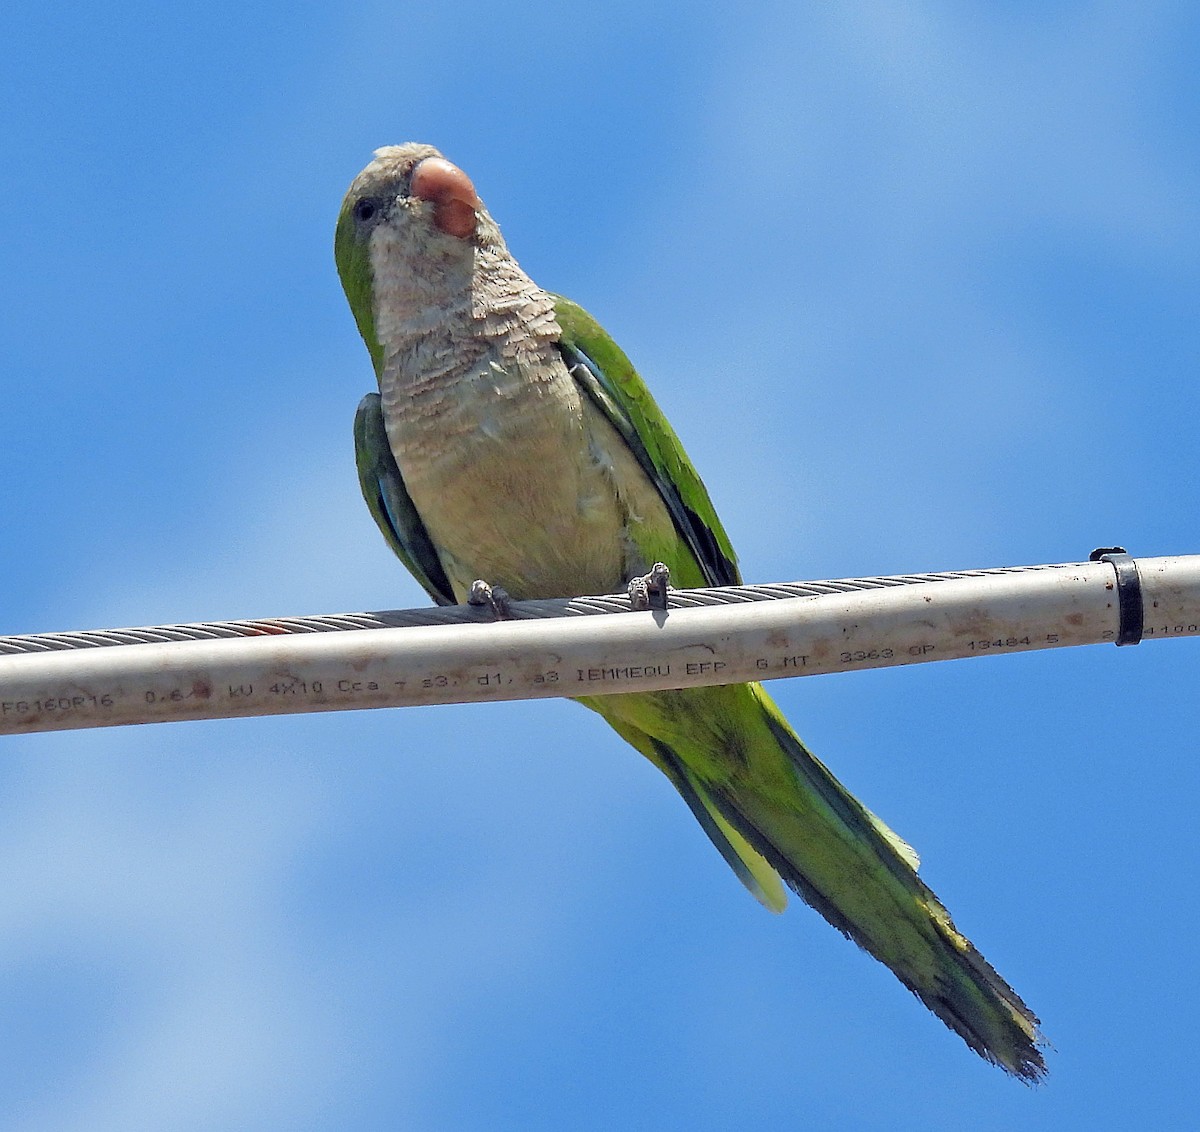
(389, 503)
(608, 378)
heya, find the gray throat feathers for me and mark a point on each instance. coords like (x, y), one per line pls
(466, 356)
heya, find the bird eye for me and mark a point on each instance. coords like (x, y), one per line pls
(365, 210)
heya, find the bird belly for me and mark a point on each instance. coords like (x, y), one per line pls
(511, 487)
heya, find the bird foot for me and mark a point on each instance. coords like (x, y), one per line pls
(494, 597)
(649, 586)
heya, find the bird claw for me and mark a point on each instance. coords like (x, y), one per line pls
(494, 597)
(648, 586)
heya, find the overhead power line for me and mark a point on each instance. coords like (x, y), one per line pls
(584, 646)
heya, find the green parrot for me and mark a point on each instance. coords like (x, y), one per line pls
(512, 441)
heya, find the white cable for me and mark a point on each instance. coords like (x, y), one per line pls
(330, 664)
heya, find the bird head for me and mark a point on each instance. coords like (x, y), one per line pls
(411, 226)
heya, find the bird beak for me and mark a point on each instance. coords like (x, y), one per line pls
(449, 190)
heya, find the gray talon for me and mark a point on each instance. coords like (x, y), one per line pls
(494, 597)
(654, 584)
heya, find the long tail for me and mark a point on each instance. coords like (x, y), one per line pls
(774, 810)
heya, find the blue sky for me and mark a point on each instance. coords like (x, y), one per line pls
(916, 283)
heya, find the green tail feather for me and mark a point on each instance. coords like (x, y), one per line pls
(750, 866)
(771, 808)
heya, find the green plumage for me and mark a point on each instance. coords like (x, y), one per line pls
(513, 440)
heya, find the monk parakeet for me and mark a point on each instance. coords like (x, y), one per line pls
(512, 441)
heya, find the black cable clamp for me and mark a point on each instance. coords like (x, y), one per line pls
(1130, 607)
